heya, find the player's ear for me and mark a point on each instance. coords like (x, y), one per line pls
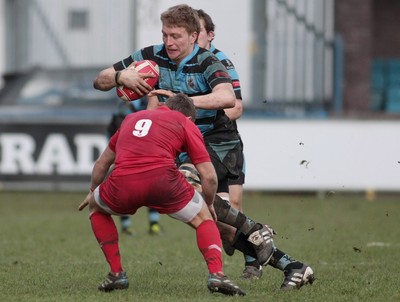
(211, 36)
(189, 118)
(194, 36)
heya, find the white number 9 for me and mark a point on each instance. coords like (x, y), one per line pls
(142, 128)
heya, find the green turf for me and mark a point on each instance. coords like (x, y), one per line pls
(48, 252)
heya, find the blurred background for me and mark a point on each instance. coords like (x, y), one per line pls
(320, 84)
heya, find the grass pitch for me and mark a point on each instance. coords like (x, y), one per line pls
(48, 252)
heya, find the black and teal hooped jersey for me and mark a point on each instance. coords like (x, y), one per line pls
(197, 74)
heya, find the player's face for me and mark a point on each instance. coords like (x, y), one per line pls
(178, 42)
(205, 38)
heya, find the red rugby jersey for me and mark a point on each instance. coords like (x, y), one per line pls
(151, 139)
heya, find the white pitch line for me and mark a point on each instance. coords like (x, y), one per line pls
(382, 244)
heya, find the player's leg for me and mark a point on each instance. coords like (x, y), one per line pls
(296, 273)
(228, 161)
(237, 231)
(252, 268)
(251, 238)
(154, 222)
(126, 225)
(197, 215)
(106, 233)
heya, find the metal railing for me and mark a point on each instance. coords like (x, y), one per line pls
(294, 57)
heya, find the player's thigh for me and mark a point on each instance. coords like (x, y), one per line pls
(195, 209)
(236, 196)
(97, 204)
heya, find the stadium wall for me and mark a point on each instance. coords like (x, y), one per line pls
(321, 155)
(281, 155)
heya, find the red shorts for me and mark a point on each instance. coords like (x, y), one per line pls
(165, 190)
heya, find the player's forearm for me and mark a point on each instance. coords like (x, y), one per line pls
(208, 194)
(220, 98)
(209, 181)
(209, 185)
(105, 80)
(99, 173)
(235, 112)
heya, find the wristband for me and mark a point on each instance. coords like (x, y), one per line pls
(117, 75)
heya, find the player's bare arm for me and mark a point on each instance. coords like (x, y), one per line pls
(129, 78)
(235, 112)
(221, 97)
(208, 179)
(99, 173)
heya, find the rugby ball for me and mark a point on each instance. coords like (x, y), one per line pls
(145, 66)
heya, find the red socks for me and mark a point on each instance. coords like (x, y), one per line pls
(106, 233)
(209, 243)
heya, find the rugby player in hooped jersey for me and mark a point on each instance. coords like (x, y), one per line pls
(296, 273)
(187, 68)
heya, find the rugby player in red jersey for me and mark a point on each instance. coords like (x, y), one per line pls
(143, 152)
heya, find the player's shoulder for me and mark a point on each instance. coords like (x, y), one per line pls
(151, 52)
(204, 54)
(222, 57)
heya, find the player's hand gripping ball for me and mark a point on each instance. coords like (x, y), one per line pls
(145, 66)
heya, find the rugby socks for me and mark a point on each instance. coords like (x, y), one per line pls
(281, 260)
(209, 243)
(125, 222)
(154, 216)
(251, 261)
(230, 216)
(106, 233)
(242, 244)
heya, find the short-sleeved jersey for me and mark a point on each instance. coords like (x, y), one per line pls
(145, 173)
(232, 73)
(231, 70)
(152, 139)
(196, 75)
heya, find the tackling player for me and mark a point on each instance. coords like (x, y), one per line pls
(143, 152)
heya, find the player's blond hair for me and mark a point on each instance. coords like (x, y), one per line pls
(182, 15)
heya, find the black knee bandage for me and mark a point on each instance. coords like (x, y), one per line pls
(230, 216)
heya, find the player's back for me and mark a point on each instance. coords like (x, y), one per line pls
(149, 139)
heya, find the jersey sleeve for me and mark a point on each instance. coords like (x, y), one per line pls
(139, 55)
(195, 146)
(234, 76)
(121, 65)
(214, 71)
(113, 141)
(231, 71)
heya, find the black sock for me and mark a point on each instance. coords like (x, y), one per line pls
(254, 263)
(282, 261)
(230, 216)
(244, 246)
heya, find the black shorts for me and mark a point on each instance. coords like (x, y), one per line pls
(242, 171)
(226, 157)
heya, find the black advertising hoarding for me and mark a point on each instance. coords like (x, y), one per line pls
(49, 156)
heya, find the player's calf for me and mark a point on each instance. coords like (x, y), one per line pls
(263, 243)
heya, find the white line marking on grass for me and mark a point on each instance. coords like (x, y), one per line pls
(382, 244)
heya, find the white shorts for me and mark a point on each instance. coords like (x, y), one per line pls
(190, 210)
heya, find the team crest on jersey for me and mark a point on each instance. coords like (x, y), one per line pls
(229, 64)
(190, 83)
